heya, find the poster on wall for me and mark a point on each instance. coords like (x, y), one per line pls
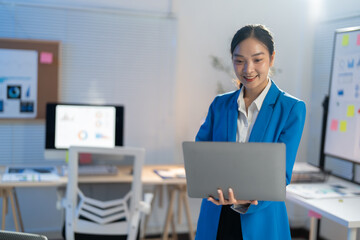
(343, 123)
(18, 83)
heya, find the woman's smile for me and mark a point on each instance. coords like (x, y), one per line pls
(249, 78)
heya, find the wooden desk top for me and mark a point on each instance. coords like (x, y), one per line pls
(149, 177)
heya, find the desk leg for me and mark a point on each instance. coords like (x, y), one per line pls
(173, 229)
(18, 210)
(13, 209)
(169, 213)
(351, 234)
(161, 190)
(4, 207)
(180, 197)
(188, 215)
(313, 228)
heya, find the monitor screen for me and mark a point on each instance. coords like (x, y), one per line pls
(82, 125)
(342, 138)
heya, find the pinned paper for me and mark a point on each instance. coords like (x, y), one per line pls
(350, 63)
(358, 40)
(345, 40)
(343, 126)
(46, 57)
(28, 92)
(350, 111)
(334, 125)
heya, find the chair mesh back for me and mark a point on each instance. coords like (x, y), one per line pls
(6, 235)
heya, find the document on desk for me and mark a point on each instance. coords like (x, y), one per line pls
(323, 190)
(303, 167)
(30, 174)
(170, 173)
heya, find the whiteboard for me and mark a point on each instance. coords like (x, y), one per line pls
(343, 122)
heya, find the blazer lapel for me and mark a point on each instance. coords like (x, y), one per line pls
(265, 114)
(232, 116)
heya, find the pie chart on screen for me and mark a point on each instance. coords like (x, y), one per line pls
(82, 135)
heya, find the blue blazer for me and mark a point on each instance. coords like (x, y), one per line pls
(281, 119)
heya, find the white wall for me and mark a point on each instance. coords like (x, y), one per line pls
(205, 27)
(331, 10)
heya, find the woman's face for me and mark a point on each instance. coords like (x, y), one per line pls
(252, 61)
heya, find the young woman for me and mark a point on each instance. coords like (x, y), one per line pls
(258, 112)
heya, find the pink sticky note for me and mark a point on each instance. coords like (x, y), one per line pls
(358, 40)
(46, 57)
(85, 158)
(334, 125)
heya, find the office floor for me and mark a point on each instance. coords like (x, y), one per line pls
(181, 237)
(297, 234)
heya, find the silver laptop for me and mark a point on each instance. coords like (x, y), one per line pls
(255, 171)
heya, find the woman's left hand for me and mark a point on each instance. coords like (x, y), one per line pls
(232, 200)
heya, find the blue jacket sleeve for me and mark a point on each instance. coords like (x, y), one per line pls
(205, 132)
(291, 136)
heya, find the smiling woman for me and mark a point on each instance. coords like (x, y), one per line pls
(258, 112)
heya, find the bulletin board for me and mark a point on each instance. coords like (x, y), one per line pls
(29, 73)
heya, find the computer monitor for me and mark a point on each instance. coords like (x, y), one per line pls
(82, 125)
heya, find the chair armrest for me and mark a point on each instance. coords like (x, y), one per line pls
(145, 206)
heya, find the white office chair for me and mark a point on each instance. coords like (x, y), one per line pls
(115, 217)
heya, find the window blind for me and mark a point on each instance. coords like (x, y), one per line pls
(107, 57)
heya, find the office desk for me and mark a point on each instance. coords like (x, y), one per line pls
(345, 211)
(7, 190)
(149, 177)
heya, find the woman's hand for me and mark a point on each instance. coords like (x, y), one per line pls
(232, 200)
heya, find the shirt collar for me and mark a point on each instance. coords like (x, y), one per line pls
(258, 101)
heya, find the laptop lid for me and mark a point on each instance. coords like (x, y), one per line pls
(255, 171)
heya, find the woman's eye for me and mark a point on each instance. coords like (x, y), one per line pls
(258, 60)
(238, 61)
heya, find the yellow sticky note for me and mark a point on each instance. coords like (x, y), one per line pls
(67, 157)
(343, 126)
(350, 111)
(345, 40)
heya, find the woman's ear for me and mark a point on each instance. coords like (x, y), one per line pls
(272, 59)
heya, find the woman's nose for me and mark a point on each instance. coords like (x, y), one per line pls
(248, 67)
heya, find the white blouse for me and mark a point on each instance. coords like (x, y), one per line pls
(245, 122)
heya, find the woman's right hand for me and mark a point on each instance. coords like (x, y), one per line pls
(232, 200)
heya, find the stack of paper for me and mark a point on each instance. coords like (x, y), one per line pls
(323, 190)
(171, 173)
(28, 174)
